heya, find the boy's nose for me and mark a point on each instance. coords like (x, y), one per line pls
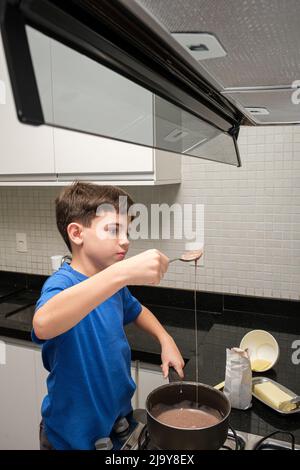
(124, 242)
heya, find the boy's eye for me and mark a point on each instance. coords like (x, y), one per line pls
(113, 230)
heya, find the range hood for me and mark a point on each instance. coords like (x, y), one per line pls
(111, 68)
(249, 51)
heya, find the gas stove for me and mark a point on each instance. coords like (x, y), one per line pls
(131, 433)
(140, 440)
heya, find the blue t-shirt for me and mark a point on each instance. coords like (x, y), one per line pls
(89, 382)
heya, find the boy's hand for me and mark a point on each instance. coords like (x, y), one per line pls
(148, 267)
(170, 356)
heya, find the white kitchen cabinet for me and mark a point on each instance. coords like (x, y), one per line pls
(54, 156)
(26, 152)
(23, 387)
(115, 115)
(96, 158)
(147, 377)
(18, 398)
(41, 375)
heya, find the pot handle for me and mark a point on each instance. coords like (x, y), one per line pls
(173, 376)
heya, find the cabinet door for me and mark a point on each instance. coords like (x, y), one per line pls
(24, 149)
(41, 375)
(146, 380)
(93, 109)
(83, 154)
(18, 410)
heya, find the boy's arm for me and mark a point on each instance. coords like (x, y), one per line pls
(67, 308)
(170, 354)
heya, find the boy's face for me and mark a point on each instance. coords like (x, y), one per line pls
(106, 241)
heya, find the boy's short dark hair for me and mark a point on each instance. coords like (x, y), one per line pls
(79, 202)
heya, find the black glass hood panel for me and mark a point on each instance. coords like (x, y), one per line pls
(97, 68)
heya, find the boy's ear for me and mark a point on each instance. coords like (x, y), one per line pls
(74, 230)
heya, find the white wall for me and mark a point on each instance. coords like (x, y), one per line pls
(252, 219)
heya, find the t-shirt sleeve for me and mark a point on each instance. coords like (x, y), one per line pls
(51, 288)
(132, 307)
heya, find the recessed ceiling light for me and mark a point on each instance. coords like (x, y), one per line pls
(201, 45)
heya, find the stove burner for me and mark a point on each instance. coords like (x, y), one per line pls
(233, 441)
(131, 433)
(139, 439)
(265, 444)
(121, 427)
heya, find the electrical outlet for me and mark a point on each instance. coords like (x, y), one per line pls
(21, 242)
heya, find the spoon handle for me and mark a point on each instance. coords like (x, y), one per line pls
(174, 259)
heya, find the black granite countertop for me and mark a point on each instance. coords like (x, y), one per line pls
(218, 328)
(216, 332)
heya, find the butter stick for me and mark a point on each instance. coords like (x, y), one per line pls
(273, 395)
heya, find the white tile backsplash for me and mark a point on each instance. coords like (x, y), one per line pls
(252, 219)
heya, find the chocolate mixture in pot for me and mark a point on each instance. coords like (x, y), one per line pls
(184, 416)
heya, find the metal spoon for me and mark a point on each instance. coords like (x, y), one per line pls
(191, 255)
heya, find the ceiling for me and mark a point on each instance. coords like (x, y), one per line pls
(259, 49)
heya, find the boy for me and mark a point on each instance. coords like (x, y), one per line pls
(80, 318)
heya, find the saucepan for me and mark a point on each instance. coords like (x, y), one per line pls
(167, 437)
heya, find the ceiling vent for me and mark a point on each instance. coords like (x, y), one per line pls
(201, 45)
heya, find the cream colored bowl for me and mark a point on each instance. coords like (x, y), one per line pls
(263, 349)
